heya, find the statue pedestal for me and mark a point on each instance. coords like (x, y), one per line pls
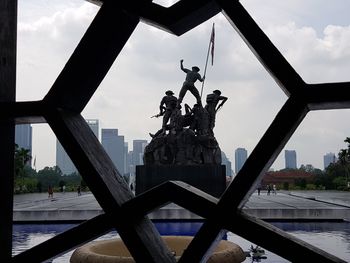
(209, 178)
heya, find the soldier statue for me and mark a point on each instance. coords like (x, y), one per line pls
(212, 106)
(191, 77)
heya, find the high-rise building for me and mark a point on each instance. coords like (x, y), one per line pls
(290, 159)
(94, 126)
(329, 158)
(129, 162)
(126, 155)
(240, 158)
(225, 161)
(62, 159)
(23, 137)
(114, 147)
(137, 153)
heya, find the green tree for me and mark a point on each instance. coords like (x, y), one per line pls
(337, 174)
(22, 157)
(49, 176)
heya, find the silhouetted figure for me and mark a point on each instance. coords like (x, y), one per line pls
(170, 104)
(50, 191)
(191, 77)
(268, 189)
(79, 190)
(212, 106)
(259, 188)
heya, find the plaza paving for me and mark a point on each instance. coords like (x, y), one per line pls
(294, 205)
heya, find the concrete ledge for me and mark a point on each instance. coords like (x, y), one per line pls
(55, 215)
(300, 214)
(274, 207)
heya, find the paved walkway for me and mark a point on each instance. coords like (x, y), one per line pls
(295, 205)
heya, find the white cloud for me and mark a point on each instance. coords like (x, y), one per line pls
(149, 65)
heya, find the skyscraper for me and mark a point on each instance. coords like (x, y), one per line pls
(114, 146)
(23, 137)
(126, 156)
(290, 159)
(227, 163)
(94, 126)
(329, 158)
(62, 159)
(240, 158)
(137, 153)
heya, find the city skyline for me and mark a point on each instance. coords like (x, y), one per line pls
(24, 131)
(313, 36)
(63, 161)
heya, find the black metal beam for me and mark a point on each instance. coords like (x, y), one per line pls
(276, 240)
(265, 153)
(269, 56)
(107, 185)
(202, 245)
(177, 192)
(23, 112)
(93, 57)
(8, 40)
(64, 242)
(177, 19)
(327, 96)
(267, 150)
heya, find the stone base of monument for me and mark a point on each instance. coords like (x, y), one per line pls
(210, 178)
(114, 251)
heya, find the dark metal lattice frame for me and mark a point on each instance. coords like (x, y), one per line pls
(61, 109)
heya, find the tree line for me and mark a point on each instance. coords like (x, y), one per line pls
(27, 180)
(335, 177)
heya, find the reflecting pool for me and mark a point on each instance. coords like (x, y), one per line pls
(333, 237)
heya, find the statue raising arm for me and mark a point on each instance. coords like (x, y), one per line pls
(182, 66)
(223, 100)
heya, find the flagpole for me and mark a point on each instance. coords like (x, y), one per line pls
(206, 61)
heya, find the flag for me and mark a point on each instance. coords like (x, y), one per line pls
(212, 42)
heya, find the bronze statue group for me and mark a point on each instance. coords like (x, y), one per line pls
(186, 139)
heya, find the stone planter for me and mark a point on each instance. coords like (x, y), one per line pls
(114, 251)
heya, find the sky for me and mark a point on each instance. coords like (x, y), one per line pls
(313, 35)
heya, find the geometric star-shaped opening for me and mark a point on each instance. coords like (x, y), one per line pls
(80, 78)
(138, 80)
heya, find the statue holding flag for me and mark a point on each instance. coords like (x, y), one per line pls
(187, 139)
(185, 148)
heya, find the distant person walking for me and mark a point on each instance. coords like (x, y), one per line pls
(259, 188)
(79, 190)
(274, 189)
(268, 189)
(50, 191)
